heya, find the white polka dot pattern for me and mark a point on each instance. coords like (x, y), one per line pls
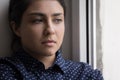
(22, 66)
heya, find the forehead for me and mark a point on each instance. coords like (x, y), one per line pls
(45, 6)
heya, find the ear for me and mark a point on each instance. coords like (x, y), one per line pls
(15, 28)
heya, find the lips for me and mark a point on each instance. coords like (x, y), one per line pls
(49, 42)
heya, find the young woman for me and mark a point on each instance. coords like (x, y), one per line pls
(38, 29)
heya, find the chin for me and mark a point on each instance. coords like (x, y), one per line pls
(49, 51)
(43, 51)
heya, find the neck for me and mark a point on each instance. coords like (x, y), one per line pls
(47, 60)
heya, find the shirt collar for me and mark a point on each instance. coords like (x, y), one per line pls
(33, 63)
(30, 62)
(60, 61)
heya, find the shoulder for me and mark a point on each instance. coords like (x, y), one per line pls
(85, 70)
(8, 68)
(12, 62)
(78, 65)
(9, 61)
(5, 65)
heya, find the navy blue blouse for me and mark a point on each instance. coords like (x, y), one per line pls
(22, 66)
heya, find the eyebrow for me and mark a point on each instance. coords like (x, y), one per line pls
(42, 14)
(57, 14)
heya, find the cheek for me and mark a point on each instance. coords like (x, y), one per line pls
(62, 30)
(31, 34)
(60, 33)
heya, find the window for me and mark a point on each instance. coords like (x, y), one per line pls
(82, 33)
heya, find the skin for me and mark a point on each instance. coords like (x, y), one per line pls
(42, 30)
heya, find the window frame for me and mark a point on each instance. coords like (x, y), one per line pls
(79, 46)
(84, 31)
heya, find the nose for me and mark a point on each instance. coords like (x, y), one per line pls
(49, 28)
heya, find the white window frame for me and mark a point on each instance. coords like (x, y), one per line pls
(92, 33)
(79, 49)
(84, 31)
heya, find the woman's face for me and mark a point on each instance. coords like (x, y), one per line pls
(42, 27)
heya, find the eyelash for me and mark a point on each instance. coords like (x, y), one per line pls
(37, 21)
(57, 20)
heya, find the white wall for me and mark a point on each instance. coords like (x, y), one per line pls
(110, 21)
(5, 37)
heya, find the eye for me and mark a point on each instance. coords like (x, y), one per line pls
(57, 21)
(37, 21)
